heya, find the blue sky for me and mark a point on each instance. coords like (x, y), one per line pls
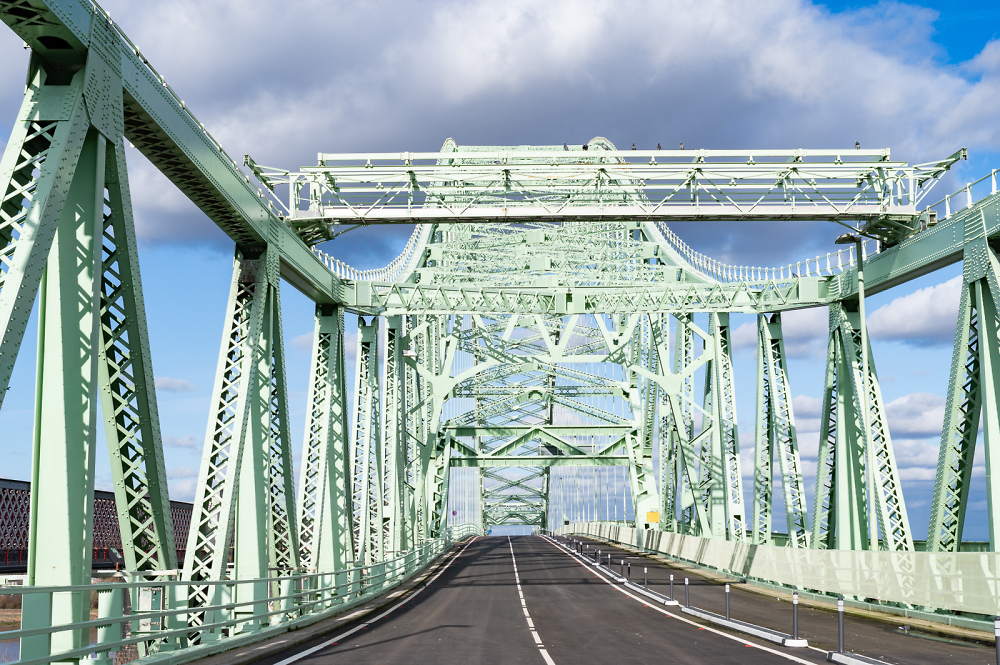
(281, 85)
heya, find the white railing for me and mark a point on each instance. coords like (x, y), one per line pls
(160, 621)
(964, 198)
(390, 273)
(831, 263)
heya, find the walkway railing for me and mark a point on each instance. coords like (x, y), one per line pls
(153, 608)
(395, 269)
(963, 582)
(828, 264)
(964, 198)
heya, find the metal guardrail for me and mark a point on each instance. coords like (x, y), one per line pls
(829, 264)
(160, 621)
(395, 269)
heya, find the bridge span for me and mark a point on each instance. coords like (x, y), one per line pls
(543, 344)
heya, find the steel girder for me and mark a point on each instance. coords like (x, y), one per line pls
(483, 184)
(368, 461)
(244, 491)
(66, 232)
(396, 489)
(972, 394)
(856, 466)
(776, 436)
(160, 126)
(324, 507)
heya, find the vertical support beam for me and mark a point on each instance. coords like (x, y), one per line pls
(642, 396)
(128, 393)
(214, 510)
(719, 470)
(62, 488)
(840, 513)
(989, 367)
(46, 140)
(972, 395)
(253, 549)
(776, 436)
(413, 430)
(324, 506)
(336, 543)
(283, 534)
(847, 447)
(679, 476)
(367, 465)
(395, 439)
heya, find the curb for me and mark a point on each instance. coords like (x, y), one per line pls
(658, 597)
(748, 628)
(971, 635)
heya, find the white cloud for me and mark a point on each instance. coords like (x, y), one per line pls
(805, 332)
(918, 415)
(926, 316)
(181, 441)
(303, 342)
(182, 490)
(807, 407)
(172, 385)
(533, 72)
(180, 472)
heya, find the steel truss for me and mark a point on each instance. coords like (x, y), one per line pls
(857, 472)
(513, 344)
(972, 394)
(776, 435)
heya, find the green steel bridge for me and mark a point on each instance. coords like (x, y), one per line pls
(542, 314)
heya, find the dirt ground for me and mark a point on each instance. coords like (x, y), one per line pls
(10, 619)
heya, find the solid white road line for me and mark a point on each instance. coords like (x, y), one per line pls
(338, 638)
(680, 618)
(531, 624)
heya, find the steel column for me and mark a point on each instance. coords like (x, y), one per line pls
(776, 435)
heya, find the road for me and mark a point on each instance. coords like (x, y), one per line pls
(523, 600)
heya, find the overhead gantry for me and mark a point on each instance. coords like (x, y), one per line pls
(541, 315)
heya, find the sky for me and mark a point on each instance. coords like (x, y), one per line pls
(283, 83)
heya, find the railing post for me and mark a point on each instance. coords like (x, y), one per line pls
(109, 606)
(840, 625)
(795, 615)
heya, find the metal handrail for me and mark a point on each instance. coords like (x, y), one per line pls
(302, 596)
(831, 263)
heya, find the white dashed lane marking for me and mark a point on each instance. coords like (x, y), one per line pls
(531, 624)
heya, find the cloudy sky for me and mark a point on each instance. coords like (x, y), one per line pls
(283, 83)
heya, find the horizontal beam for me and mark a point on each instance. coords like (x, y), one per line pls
(557, 430)
(925, 252)
(609, 212)
(540, 460)
(550, 183)
(681, 297)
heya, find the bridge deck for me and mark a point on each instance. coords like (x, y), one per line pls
(472, 613)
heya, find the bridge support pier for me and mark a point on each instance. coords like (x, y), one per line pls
(972, 394)
(856, 463)
(368, 455)
(776, 435)
(245, 475)
(326, 538)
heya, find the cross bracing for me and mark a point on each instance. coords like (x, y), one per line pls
(542, 315)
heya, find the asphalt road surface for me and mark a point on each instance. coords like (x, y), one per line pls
(521, 599)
